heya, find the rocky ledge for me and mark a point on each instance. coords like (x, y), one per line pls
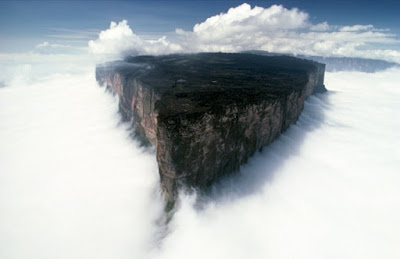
(207, 113)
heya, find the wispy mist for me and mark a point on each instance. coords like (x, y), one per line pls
(327, 188)
(73, 184)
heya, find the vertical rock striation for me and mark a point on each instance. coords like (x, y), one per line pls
(208, 113)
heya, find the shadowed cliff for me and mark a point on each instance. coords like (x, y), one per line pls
(208, 113)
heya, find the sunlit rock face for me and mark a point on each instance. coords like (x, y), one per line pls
(208, 113)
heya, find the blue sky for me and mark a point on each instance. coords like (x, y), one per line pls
(24, 24)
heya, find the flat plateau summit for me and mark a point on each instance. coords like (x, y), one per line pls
(207, 113)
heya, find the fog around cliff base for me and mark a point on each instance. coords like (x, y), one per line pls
(73, 184)
(327, 188)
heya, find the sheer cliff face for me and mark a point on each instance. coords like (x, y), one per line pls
(196, 151)
(207, 114)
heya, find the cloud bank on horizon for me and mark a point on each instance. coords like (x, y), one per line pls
(273, 29)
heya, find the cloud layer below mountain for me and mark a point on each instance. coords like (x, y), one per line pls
(74, 185)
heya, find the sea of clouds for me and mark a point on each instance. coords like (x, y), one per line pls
(74, 184)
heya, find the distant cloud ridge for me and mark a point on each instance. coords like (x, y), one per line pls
(274, 29)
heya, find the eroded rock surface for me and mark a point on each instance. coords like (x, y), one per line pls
(208, 113)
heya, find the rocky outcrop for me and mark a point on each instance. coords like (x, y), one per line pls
(208, 113)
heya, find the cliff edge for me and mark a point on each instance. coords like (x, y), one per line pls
(207, 113)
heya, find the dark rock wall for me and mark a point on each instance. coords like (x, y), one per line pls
(194, 149)
(136, 101)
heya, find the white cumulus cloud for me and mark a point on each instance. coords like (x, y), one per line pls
(274, 29)
(120, 40)
(324, 26)
(357, 28)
